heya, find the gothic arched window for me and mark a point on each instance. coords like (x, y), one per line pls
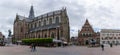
(39, 23)
(57, 19)
(35, 25)
(44, 22)
(50, 21)
(21, 29)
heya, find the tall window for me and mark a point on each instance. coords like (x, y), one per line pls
(57, 19)
(50, 21)
(44, 22)
(21, 29)
(118, 37)
(30, 25)
(39, 36)
(35, 25)
(39, 23)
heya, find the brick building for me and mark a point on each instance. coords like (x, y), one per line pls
(53, 24)
(87, 35)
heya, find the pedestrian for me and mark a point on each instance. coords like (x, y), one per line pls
(102, 46)
(33, 47)
(110, 44)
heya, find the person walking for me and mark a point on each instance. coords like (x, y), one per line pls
(111, 45)
(102, 46)
(33, 47)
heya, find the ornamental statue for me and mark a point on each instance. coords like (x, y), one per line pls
(9, 33)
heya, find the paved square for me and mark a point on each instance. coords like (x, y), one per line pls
(70, 50)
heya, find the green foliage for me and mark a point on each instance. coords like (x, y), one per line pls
(37, 40)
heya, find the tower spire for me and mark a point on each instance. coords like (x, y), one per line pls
(31, 13)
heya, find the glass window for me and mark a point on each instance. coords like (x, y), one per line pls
(44, 22)
(50, 21)
(35, 24)
(57, 19)
(108, 42)
(31, 25)
(21, 29)
(39, 23)
(115, 38)
(118, 37)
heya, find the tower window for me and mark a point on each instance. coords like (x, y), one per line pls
(21, 29)
(57, 19)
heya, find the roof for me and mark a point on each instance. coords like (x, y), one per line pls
(109, 30)
(28, 19)
(44, 27)
(21, 17)
(51, 13)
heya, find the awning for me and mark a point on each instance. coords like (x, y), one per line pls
(19, 41)
(55, 40)
(65, 42)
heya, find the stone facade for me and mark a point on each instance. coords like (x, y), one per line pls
(54, 24)
(87, 34)
(108, 36)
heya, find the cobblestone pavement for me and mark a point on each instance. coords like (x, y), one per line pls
(71, 50)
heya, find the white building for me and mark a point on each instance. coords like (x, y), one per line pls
(108, 36)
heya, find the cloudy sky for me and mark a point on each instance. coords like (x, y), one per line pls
(102, 14)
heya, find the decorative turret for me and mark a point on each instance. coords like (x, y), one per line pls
(17, 18)
(31, 14)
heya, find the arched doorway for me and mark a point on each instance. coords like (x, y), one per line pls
(86, 42)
